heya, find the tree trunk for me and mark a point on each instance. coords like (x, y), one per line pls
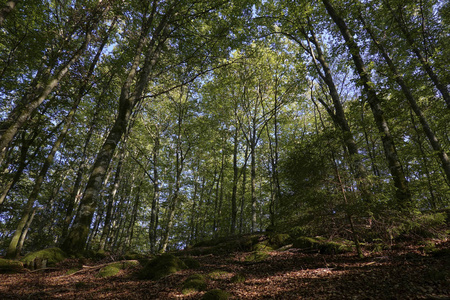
(432, 138)
(340, 120)
(77, 237)
(425, 63)
(403, 195)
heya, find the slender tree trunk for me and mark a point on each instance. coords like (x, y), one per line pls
(253, 178)
(403, 194)
(339, 118)
(156, 192)
(112, 198)
(77, 236)
(40, 179)
(432, 138)
(25, 232)
(425, 63)
(235, 183)
(13, 123)
(244, 183)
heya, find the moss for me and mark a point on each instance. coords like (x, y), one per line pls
(277, 240)
(262, 246)
(10, 266)
(238, 278)
(161, 266)
(320, 244)
(133, 256)
(130, 264)
(191, 263)
(110, 270)
(257, 256)
(194, 283)
(216, 295)
(334, 247)
(71, 271)
(218, 274)
(42, 258)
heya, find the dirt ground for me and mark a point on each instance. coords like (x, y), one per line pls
(290, 274)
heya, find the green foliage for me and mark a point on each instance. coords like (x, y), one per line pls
(216, 295)
(50, 256)
(10, 266)
(194, 283)
(420, 226)
(161, 266)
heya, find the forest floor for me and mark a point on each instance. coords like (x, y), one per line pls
(392, 274)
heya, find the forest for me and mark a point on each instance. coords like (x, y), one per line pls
(145, 127)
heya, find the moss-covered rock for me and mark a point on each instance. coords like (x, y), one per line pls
(277, 240)
(194, 283)
(8, 266)
(133, 256)
(216, 295)
(238, 278)
(263, 246)
(257, 256)
(320, 244)
(43, 258)
(110, 270)
(114, 268)
(161, 266)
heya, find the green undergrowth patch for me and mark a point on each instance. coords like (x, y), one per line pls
(43, 258)
(194, 283)
(161, 266)
(218, 274)
(191, 263)
(257, 256)
(322, 245)
(238, 278)
(216, 295)
(9, 266)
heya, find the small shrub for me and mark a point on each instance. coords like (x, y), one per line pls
(161, 266)
(194, 283)
(216, 295)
